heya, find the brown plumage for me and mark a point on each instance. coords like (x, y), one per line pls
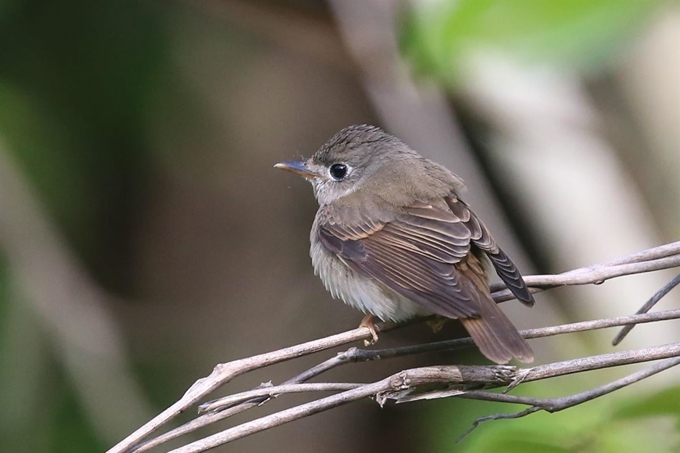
(431, 255)
(393, 238)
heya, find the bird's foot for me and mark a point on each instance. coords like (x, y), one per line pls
(369, 321)
(437, 323)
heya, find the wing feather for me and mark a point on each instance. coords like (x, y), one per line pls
(418, 253)
(502, 264)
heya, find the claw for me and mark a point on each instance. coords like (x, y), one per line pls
(437, 324)
(369, 322)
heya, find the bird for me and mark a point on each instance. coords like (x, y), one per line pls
(393, 238)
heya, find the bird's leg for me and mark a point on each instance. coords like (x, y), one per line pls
(437, 323)
(369, 322)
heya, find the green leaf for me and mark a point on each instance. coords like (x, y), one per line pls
(581, 33)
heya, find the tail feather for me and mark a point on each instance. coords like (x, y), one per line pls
(497, 338)
(486, 340)
(491, 330)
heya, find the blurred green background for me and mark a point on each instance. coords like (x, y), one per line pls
(145, 236)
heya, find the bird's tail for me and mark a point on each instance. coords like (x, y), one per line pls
(492, 331)
(495, 336)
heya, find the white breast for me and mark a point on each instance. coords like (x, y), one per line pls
(357, 290)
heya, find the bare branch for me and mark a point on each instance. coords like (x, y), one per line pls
(407, 382)
(225, 372)
(652, 259)
(354, 355)
(557, 404)
(662, 251)
(272, 391)
(658, 258)
(486, 418)
(361, 355)
(646, 307)
(561, 403)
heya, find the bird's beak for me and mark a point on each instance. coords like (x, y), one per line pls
(299, 168)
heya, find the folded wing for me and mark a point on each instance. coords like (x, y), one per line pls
(424, 253)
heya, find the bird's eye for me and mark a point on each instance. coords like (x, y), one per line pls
(338, 171)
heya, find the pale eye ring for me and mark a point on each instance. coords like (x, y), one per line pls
(338, 171)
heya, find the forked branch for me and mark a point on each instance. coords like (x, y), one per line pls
(461, 381)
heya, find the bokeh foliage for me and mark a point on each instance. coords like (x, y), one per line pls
(582, 34)
(577, 35)
(77, 84)
(75, 80)
(630, 423)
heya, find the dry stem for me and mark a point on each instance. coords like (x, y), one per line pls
(403, 387)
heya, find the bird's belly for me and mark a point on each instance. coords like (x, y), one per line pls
(360, 291)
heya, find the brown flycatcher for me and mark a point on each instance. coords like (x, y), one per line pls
(393, 238)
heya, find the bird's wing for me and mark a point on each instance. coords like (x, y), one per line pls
(412, 252)
(417, 252)
(483, 240)
(423, 254)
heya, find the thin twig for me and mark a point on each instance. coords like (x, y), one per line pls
(225, 372)
(511, 416)
(407, 382)
(557, 404)
(646, 307)
(353, 355)
(652, 259)
(662, 251)
(663, 257)
(273, 391)
(361, 355)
